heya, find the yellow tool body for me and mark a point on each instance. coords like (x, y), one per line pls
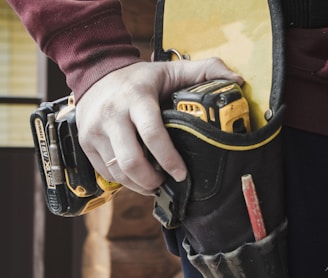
(218, 102)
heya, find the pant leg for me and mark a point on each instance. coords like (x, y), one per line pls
(306, 174)
(174, 239)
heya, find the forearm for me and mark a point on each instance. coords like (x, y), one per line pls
(87, 39)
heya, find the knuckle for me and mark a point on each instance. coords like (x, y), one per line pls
(84, 135)
(121, 178)
(149, 133)
(108, 111)
(215, 60)
(169, 163)
(87, 138)
(129, 165)
(83, 139)
(152, 181)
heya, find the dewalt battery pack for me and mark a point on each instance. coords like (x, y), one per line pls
(71, 186)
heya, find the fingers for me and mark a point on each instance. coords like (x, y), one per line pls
(135, 170)
(132, 169)
(180, 74)
(117, 166)
(154, 135)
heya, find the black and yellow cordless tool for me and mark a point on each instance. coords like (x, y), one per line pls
(71, 185)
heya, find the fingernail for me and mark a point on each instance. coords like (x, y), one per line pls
(179, 175)
(240, 80)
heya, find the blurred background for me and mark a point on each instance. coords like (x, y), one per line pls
(120, 239)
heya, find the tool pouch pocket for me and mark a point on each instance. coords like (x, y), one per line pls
(215, 216)
(262, 259)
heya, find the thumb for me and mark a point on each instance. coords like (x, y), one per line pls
(180, 74)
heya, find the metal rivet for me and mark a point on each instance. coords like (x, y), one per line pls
(268, 114)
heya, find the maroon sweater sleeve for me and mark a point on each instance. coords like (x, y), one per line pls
(87, 39)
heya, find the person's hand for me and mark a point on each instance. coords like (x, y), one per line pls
(125, 103)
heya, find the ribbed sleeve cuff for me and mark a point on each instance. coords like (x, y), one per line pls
(89, 51)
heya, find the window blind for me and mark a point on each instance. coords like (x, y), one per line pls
(18, 78)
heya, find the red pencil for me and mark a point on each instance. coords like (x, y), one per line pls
(253, 207)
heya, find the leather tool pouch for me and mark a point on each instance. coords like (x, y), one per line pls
(210, 204)
(214, 216)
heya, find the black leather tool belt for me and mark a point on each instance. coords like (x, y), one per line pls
(221, 237)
